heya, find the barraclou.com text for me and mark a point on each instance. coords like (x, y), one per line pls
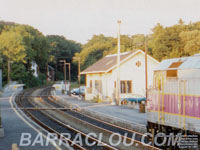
(114, 139)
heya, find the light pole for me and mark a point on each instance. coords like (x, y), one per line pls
(64, 68)
(69, 67)
(146, 67)
(9, 70)
(118, 67)
(69, 77)
(79, 68)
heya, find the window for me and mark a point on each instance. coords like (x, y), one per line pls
(175, 64)
(171, 73)
(129, 86)
(90, 83)
(89, 90)
(123, 86)
(126, 86)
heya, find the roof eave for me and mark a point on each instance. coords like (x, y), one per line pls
(92, 72)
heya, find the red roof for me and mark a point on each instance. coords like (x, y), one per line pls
(109, 62)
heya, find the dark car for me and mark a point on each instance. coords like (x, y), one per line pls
(76, 91)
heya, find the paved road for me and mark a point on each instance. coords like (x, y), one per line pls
(14, 127)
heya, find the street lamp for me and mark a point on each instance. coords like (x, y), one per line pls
(118, 67)
(69, 77)
(64, 61)
(79, 68)
(146, 67)
(9, 70)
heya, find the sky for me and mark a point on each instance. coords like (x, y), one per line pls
(79, 20)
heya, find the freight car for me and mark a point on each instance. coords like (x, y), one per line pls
(173, 103)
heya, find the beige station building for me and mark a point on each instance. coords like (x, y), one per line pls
(101, 77)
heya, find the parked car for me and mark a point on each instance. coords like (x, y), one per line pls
(76, 91)
(135, 98)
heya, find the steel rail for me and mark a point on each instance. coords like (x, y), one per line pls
(76, 146)
(46, 127)
(108, 131)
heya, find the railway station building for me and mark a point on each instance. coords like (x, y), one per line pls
(100, 78)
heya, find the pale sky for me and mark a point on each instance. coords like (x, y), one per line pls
(79, 20)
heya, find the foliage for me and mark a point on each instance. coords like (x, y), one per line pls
(97, 99)
(12, 46)
(100, 46)
(175, 41)
(192, 41)
(62, 49)
(22, 44)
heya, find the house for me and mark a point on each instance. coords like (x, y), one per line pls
(50, 71)
(34, 67)
(101, 76)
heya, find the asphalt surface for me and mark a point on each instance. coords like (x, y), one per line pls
(14, 126)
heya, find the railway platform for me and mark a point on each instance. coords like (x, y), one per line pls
(14, 126)
(119, 115)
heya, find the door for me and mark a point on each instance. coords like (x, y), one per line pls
(98, 85)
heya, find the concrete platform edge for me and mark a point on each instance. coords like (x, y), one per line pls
(115, 121)
(122, 123)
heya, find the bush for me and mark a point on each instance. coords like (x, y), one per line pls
(32, 81)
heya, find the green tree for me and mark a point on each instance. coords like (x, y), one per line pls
(61, 48)
(95, 49)
(100, 46)
(166, 42)
(12, 46)
(22, 44)
(192, 41)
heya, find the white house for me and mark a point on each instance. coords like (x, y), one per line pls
(101, 76)
(34, 67)
(50, 71)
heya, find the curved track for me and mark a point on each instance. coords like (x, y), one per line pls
(53, 125)
(57, 126)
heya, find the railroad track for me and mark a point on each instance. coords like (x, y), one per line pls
(104, 127)
(45, 116)
(53, 125)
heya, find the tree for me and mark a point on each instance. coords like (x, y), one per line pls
(166, 42)
(22, 44)
(180, 22)
(100, 46)
(12, 46)
(95, 49)
(61, 48)
(192, 41)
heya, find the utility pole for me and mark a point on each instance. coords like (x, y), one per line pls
(47, 73)
(79, 70)
(79, 77)
(64, 68)
(146, 67)
(69, 77)
(9, 71)
(118, 67)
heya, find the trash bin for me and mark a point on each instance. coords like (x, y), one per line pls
(142, 108)
(63, 91)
